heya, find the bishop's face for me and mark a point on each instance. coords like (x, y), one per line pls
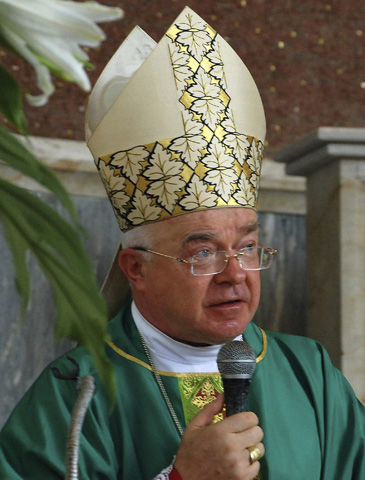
(199, 309)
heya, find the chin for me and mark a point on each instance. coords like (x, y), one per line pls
(233, 328)
(227, 335)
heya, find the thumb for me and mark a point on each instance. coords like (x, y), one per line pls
(205, 416)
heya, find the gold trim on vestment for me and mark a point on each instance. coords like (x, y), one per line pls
(125, 355)
(262, 355)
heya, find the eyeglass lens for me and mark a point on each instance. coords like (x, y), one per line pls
(255, 259)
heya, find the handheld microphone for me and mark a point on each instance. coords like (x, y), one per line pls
(236, 364)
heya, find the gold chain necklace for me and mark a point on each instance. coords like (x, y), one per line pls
(161, 386)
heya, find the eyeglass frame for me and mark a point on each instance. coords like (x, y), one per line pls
(271, 251)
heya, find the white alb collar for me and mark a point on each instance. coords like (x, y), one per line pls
(172, 356)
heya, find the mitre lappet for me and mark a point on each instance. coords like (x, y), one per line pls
(176, 127)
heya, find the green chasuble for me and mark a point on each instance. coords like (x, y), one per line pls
(312, 421)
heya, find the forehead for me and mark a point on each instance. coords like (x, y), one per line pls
(235, 221)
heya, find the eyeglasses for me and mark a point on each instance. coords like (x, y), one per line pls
(207, 262)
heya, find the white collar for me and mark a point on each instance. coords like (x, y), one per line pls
(173, 356)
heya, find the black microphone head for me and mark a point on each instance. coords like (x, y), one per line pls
(236, 359)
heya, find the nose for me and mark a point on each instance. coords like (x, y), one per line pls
(237, 256)
(233, 272)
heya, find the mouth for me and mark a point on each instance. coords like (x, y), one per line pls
(228, 303)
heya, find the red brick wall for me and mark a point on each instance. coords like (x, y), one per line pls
(306, 56)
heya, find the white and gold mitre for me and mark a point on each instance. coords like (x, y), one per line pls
(176, 127)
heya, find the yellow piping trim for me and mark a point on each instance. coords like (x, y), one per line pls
(264, 346)
(127, 356)
(180, 375)
(161, 372)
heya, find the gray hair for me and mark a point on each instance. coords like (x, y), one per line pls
(142, 236)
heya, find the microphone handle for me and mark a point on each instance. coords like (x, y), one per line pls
(236, 392)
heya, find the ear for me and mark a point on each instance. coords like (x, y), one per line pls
(132, 264)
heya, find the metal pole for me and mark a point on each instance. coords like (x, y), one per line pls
(86, 390)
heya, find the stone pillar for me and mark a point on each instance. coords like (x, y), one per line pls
(333, 160)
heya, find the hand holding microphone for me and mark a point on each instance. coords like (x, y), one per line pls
(236, 364)
(222, 450)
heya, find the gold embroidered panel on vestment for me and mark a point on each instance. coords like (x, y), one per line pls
(197, 391)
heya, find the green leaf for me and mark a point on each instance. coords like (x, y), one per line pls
(80, 317)
(18, 248)
(18, 157)
(81, 310)
(11, 100)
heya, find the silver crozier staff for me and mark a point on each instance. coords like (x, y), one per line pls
(85, 387)
(86, 390)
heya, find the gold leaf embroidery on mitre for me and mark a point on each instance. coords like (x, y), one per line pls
(114, 186)
(207, 101)
(130, 162)
(192, 144)
(165, 173)
(180, 66)
(163, 178)
(198, 195)
(221, 173)
(245, 193)
(217, 68)
(142, 210)
(239, 144)
(194, 36)
(256, 156)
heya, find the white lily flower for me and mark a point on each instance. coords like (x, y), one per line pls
(49, 33)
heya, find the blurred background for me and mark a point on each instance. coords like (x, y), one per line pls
(306, 56)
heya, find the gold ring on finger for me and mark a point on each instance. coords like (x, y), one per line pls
(254, 453)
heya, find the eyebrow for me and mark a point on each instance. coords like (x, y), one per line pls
(251, 227)
(191, 237)
(194, 236)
